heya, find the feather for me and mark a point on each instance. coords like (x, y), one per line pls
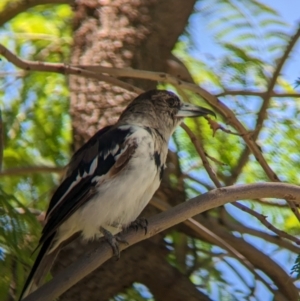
(96, 159)
(40, 268)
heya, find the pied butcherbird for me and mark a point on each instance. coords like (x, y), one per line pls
(112, 177)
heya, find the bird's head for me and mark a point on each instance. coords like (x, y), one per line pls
(161, 110)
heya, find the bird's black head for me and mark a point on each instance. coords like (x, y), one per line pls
(160, 109)
(160, 101)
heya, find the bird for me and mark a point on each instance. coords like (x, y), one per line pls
(111, 178)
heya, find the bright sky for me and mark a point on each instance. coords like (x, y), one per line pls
(290, 11)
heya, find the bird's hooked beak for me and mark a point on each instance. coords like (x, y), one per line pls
(189, 110)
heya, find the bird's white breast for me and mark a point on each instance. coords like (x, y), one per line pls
(120, 199)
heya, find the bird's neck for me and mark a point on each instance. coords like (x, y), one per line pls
(161, 136)
(160, 129)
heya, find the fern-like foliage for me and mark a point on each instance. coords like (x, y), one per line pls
(296, 267)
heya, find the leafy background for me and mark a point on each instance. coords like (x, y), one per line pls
(228, 45)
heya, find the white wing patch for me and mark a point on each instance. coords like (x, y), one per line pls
(111, 152)
(121, 152)
(93, 166)
(74, 183)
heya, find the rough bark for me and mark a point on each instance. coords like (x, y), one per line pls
(119, 33)
(123, 33)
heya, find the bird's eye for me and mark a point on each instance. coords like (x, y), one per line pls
(173, 102)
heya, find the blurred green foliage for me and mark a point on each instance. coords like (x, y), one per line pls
(37, 131)
(37, 127)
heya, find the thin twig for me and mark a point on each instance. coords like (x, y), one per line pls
(263, 220)
(214, 159)
(190, 177)
(264, 202)
(217, 183)
(201, 152)
(256, 93)
(281, 62)
(274, 239)
(64, 69)
(216, 126)
(20, 171)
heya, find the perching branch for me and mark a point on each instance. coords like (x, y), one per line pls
(215, 198)
(212, 237)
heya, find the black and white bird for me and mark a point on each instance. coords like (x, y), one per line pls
(112, 177)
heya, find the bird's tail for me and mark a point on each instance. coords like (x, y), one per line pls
(41, 267)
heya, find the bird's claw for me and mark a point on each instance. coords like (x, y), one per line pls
(113, 241)
(139, 223)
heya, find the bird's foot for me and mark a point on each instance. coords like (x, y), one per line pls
(139, 223)
(113, 241)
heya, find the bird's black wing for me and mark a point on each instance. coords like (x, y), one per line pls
(79, 162)
(95, 159)
(41, 265)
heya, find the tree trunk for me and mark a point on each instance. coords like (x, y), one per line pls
(123, 33)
